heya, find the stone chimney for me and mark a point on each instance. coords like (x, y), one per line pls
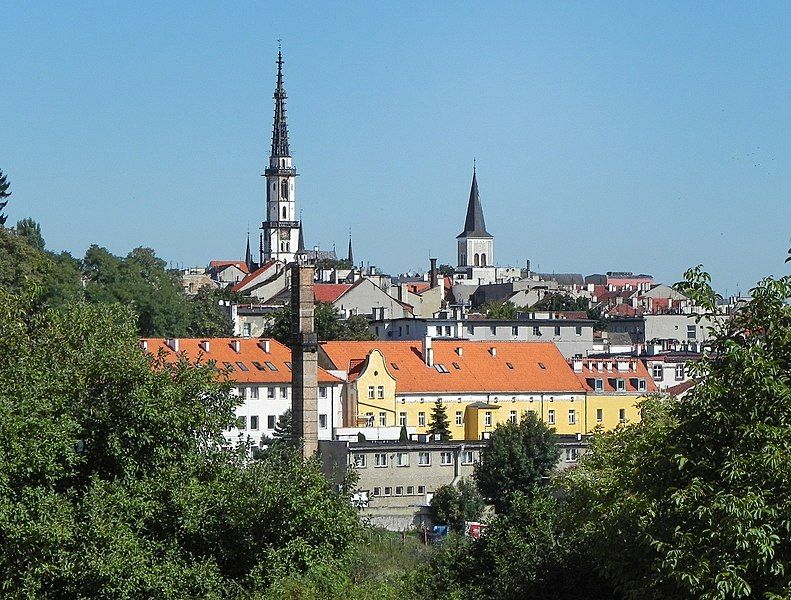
(304, 359)
(428, 351)
(433, 272)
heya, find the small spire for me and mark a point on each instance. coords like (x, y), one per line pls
(474, 224)
(350, 255)
(301, 243)
(248, 255)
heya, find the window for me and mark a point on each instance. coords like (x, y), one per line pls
(228, 366)
(446, 458)
(270, 392)
(447, 329)
(241, 422)
(370, 392)
(270, 421)
(254, 422)
(512, 416)
(424, 459)
(288, 366)
(258, 365)
(458, 418)
(242, 366)
(322, 421)
(509, 365)
(399, 490)
(380, 459)
(466, 457)
(493, 330)
(395, 366)
(284, 193)
(620, 384)
(622, 415)
(470, 329)
(323, 391)
(598, 385)
(254, 393)
(382, 419)
(359, 462)
(690, 332)
(377, 491)
(551, 417)
(388, 490)
(380, 392)
(557, 330)
(487, 418)
(271, 365)
(578, 330)
(572, 454)
(284, 392)
(679, 371)
(657, 371)
(441, 368)
(421, 419)
(514, 331)
(542, 366)
(410, 490)
(456, 366)
(572, 416)
(537, 330)
(402, 419)
(402, 459)
(641, 385)
(599, 415)
(421, 489)
(369, 419)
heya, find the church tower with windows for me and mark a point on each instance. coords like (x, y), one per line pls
(280, 227)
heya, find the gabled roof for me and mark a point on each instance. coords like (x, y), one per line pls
(330, 292)
(479, 371)
(474, 225)
(221, 351)
(251, 278)
(223, 264)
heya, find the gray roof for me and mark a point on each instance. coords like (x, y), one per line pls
(474, 225)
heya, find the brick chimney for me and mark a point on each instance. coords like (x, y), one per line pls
(433, 272)
(304, 359)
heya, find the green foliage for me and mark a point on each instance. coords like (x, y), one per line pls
(329, 263)
(452, 505)
(446, 270)
(327, 321)
(31, 232)
(693, 502)
(439, 424)
(114, 480)
(283, 434)
(206, 318)
(561, 301)
(515, 459)
(4, 194)
(498, 310)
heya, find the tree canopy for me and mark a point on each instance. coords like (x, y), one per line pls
(4, 194)
(114, 480)
(328, 323)
(561, 301)
(453, 505)
(439, 424)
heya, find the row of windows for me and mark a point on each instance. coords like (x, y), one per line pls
(402, 459)
(400, 490)
(251, 423)
(447, 330)
(658, 371)
(253, 392)
(618, 383)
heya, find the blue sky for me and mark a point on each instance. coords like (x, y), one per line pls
(608, 136)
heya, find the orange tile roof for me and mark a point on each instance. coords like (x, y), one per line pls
(221, 351)
(590, 371)
(249, 278)
(329, 292)
(478, 372)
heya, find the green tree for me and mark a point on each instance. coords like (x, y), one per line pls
(500, 310)
(114, 480)
(206, 318)
(693, 502)
(283, 434)
(515, 459)
(356, 328)
(4, 194)
(453, 505)
(446, 270)
(439, 424)
(561, 301)
(327, 321)
(31, 232)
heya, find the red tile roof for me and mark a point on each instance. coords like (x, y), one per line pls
(221, 351)
(330, 292)
(478, 372)
(244, 282)
(221, 264)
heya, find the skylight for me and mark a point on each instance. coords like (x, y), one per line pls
(441, 368)
(228, 366)
(242, 366)
(456, 366)
(258, 366)
(271, 365)
(288, 366)
(509, 365)
(394, 365)
(542, 365)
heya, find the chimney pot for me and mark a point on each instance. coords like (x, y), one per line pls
(205, 345)
(173, 344)
(493, 351)
(428, 351)
(459, 350)
(236, 345)
(144, 345)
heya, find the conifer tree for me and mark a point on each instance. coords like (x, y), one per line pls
(439, 423)
(4, 193)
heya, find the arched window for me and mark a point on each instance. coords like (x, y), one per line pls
(284, 212)
(483, 259)
(284, 189)
(477, 260)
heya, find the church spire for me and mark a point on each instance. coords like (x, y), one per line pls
(280, 130)
(350, 255)
(474, 224)
(301, 242)
(248, 255)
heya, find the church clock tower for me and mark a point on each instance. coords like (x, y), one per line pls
(280, 227)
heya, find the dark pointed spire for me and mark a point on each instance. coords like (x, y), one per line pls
(474, 225)
(280, 130)
(301, 243)
(350, 255)
(248, 255)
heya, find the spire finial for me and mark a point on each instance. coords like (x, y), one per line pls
(473, 165)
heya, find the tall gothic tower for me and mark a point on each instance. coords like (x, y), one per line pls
(475, 245)
(281, 227)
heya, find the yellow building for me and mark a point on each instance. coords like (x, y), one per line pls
(481, 384)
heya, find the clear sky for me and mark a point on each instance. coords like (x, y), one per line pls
(627, 136)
